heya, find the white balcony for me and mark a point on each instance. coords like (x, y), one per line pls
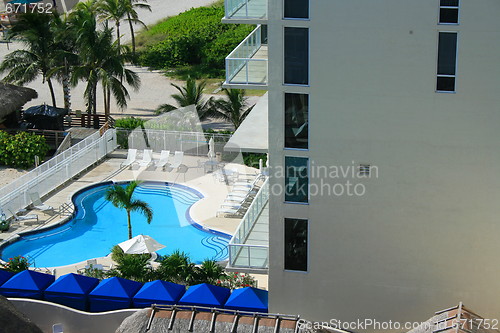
(246, 66)
(245, 11)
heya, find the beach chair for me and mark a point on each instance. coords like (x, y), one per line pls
(234, 211)
(19, 218)
(147, 158)
(131, 157)
(38, 204)
(164, 156)
(178, 156)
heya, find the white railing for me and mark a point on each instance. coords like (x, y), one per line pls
(248, 255)
(56, 171)
(246, 9)
(191, 143)
(241, 67)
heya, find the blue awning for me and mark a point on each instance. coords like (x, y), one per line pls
(248, 299)
(22, 2)
(113, 294)
(27, 284)
(205, 295)
(5, 275)
(71, 290)
(158, 292)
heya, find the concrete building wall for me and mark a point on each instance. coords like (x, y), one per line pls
(424, 236)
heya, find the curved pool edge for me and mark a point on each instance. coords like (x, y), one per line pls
(68, 218)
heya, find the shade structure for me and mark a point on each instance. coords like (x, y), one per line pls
(45, 117)
(248, 299)
(205, 295)
(140, 244)
(158, 292)
(71, 290)
(27, 284)
(113, 294)
(5, 275)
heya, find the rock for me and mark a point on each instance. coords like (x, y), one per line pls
(11, 320)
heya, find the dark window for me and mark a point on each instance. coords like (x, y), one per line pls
(296, 9)
(296, 179)
(296, 121)
(296, 244)
(447, 61)
(296, 55)
(448, 12)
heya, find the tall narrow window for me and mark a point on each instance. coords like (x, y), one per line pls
(447, 61)
(296, 239)
(296, 179)
(298, 9)
(448, 12)
(296, 56)
(296, 121)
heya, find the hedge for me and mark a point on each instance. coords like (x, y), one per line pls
(19, 150)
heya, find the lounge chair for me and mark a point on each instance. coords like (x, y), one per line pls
(147, 158)
(236, 210)
(178, 156)
(38, 204)
(19, 218)
(131, 157)
(164, 156)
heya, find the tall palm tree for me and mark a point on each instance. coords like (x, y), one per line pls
(121, 197)
(190, 94)
(24, 66)
(133, 17)
(233, 109)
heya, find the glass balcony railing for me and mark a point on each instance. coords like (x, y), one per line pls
(247, 64)
(246, 9)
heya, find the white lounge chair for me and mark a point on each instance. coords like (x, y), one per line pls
(131, 157)
(147, 158)
(164, 156)
(236, 210)
(37, 202)
(178, 156)
(19, 218)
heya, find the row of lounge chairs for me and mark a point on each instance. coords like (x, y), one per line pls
(36, 203)
(239, 199)
(147, 159)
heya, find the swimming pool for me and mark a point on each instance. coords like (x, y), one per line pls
(97, 226)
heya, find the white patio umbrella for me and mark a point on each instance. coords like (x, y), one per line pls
(211, 148)
(140, 244)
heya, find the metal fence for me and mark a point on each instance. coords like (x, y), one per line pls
(191, 143)
(250, 255)
(56, 171)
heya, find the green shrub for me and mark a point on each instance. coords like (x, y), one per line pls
(17, 264)
(237, 280)
(19, 150)
(252, 159)
(127, 124)
(133, 267)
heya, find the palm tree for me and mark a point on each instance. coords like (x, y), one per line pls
(133, 17)
(25, 66)
(233, 110)
(190, 94)
(121, 197)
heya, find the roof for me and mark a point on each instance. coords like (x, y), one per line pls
(252, 135)
(13, 97)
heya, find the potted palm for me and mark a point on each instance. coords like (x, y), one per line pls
(4, 223)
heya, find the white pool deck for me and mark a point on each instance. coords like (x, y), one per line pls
(213, 188)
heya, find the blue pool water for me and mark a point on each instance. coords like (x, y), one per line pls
(97, 226)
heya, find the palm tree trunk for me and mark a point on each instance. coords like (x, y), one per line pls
(118, 35)
(52, 94)
(129, 225)
(104, 92)
(131, 33)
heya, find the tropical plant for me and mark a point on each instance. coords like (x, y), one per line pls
(190, 94)
(133, 267)
(210, 272)
(177, 267)
(233, 109)
(133, 17)
(122, 197)
(237, 280)
(24, 66)
(19, 150)
(17, 264)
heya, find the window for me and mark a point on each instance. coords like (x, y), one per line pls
(296, 121)
(296, 179)
(448, 12)
(296, 244)
(296, 9)
(447, 61)
(296, 56)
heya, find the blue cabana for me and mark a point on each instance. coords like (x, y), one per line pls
(113, 294)
(27, 284)
(5, 275)
(158, 292)
(205, 295)
(248, 299)
(71, 290)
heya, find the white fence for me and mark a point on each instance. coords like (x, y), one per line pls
(56, 171)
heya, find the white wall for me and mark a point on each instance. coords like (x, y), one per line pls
(425, 234)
